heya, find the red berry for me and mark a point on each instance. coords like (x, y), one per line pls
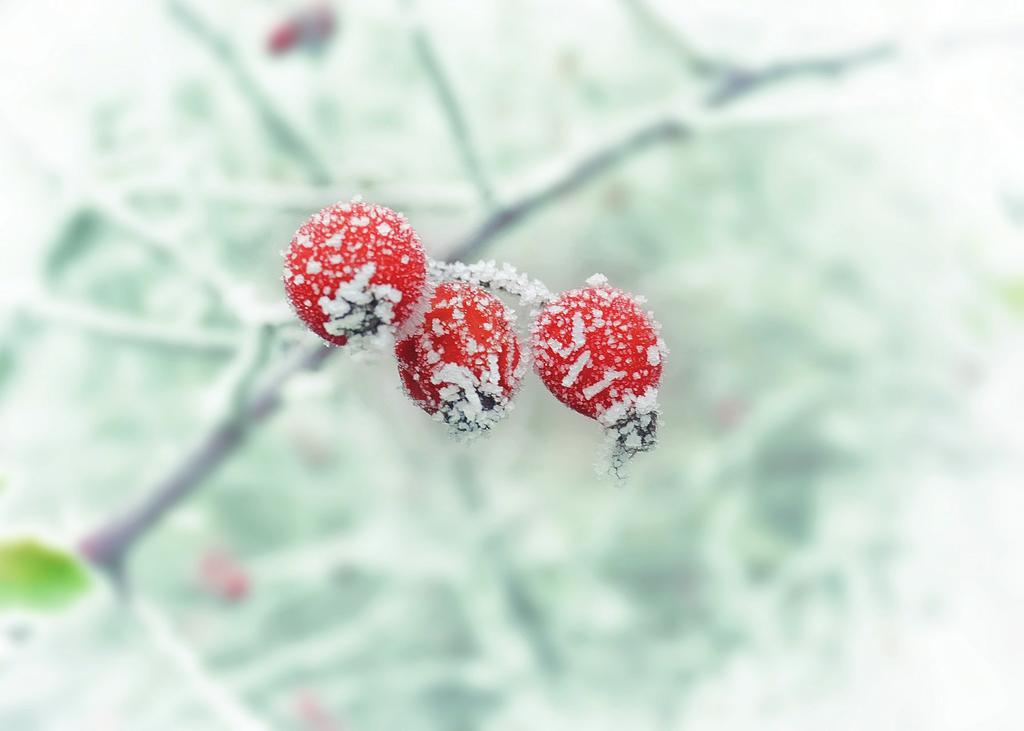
(221, 574)
(462, 363)
(283, 38)
(600, 354)
(309, 28)
(354, 269)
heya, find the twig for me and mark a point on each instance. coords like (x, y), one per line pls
(128, 329)
(730, 81)
(202, 271)
(108, 546)
(276, 125)
(244, 372)
(522, 605)
(224, 705)
(578, 174)
(95, 196)
(691, 59)
(457, 124)
(398, 195)
(737, 82)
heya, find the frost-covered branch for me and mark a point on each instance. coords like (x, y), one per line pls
(93, 195)
(568, 180)
(276, 124)
(457, 123)
(736, 82)
(228, 709)
(124, 328)
(730, 81)
(108, 546)
(692, 59)
(453, 197)
(161, 244)
(524, 609)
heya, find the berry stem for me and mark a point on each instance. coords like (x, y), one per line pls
(488, 274)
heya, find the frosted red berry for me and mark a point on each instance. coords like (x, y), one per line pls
(354, 269)
(463, 362)
(600, 353)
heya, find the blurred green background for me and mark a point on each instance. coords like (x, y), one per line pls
(827, 536)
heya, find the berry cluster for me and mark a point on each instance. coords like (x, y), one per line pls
(357, 271)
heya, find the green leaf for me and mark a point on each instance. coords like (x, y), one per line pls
(1012, 292)
(37, 576)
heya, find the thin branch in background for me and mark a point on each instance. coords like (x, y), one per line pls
(523, 606)
(457, 123)
(730, 80)
(111, 207)
(244, 372)
(689, 57)
(200, 270)
(277, 126)
(444, 197)
(569, 180)
(123, 328)
(108, 546)
(738, 82)
(229, 710)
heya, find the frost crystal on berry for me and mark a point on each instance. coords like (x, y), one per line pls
(600, 354)
(463, 363)
(354, 270)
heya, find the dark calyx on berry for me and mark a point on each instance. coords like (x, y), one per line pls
(636, 433)
(631, 427)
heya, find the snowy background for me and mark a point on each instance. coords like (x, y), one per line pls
(827, 216)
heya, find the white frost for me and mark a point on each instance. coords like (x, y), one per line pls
(579, 332)
(576, 368)
(489, 274)
(609, 378)
(358, 306)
